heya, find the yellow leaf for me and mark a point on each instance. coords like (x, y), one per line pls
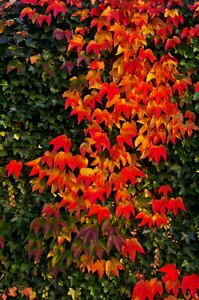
(16, 136)
(170, 13)
(119, 50)
(88, 172)
(108, 267)
(147, 29)
(2, 133)
(151, 75)
(139, 140)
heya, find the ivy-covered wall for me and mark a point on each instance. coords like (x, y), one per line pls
(36, 67)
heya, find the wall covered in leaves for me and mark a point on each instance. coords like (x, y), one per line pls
(99, 149)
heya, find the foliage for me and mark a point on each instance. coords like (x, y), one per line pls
(113, 175)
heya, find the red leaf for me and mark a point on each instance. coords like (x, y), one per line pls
(156, 152)
(93, 46)
(48, 158)
(175, 204)
(50, 210)
(171, 43)
(69, 65)
(101, 212)
(57, 7)
(110, 89)
(164, 189)
(2, 244)
(61, 141)
(101, 141)
(143, 54)
(41, 19)
(82, 112)
(171, 273)
(196, 87)
(159, 205)
(77, 42)
(131, 247)
(14, 167)
(146, 218)
(190, 282)
(126, 210)
(93, 193)
(131, 172)
(160, 220)
(77, 161)
(147, 289)
(48, 19)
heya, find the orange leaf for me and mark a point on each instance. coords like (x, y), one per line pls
(173, 286)
(99, 266)
(112, 266)
(61, 159)
(27, 11)
(28, 292)
(91, 100)
(171, 298)
(77, 42)
(127, 132)
(160, 220)
(34, 58)
(12, 291)
(122, 194)
(96, 64)
(102, 116)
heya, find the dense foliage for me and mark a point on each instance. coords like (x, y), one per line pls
(108, 209)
